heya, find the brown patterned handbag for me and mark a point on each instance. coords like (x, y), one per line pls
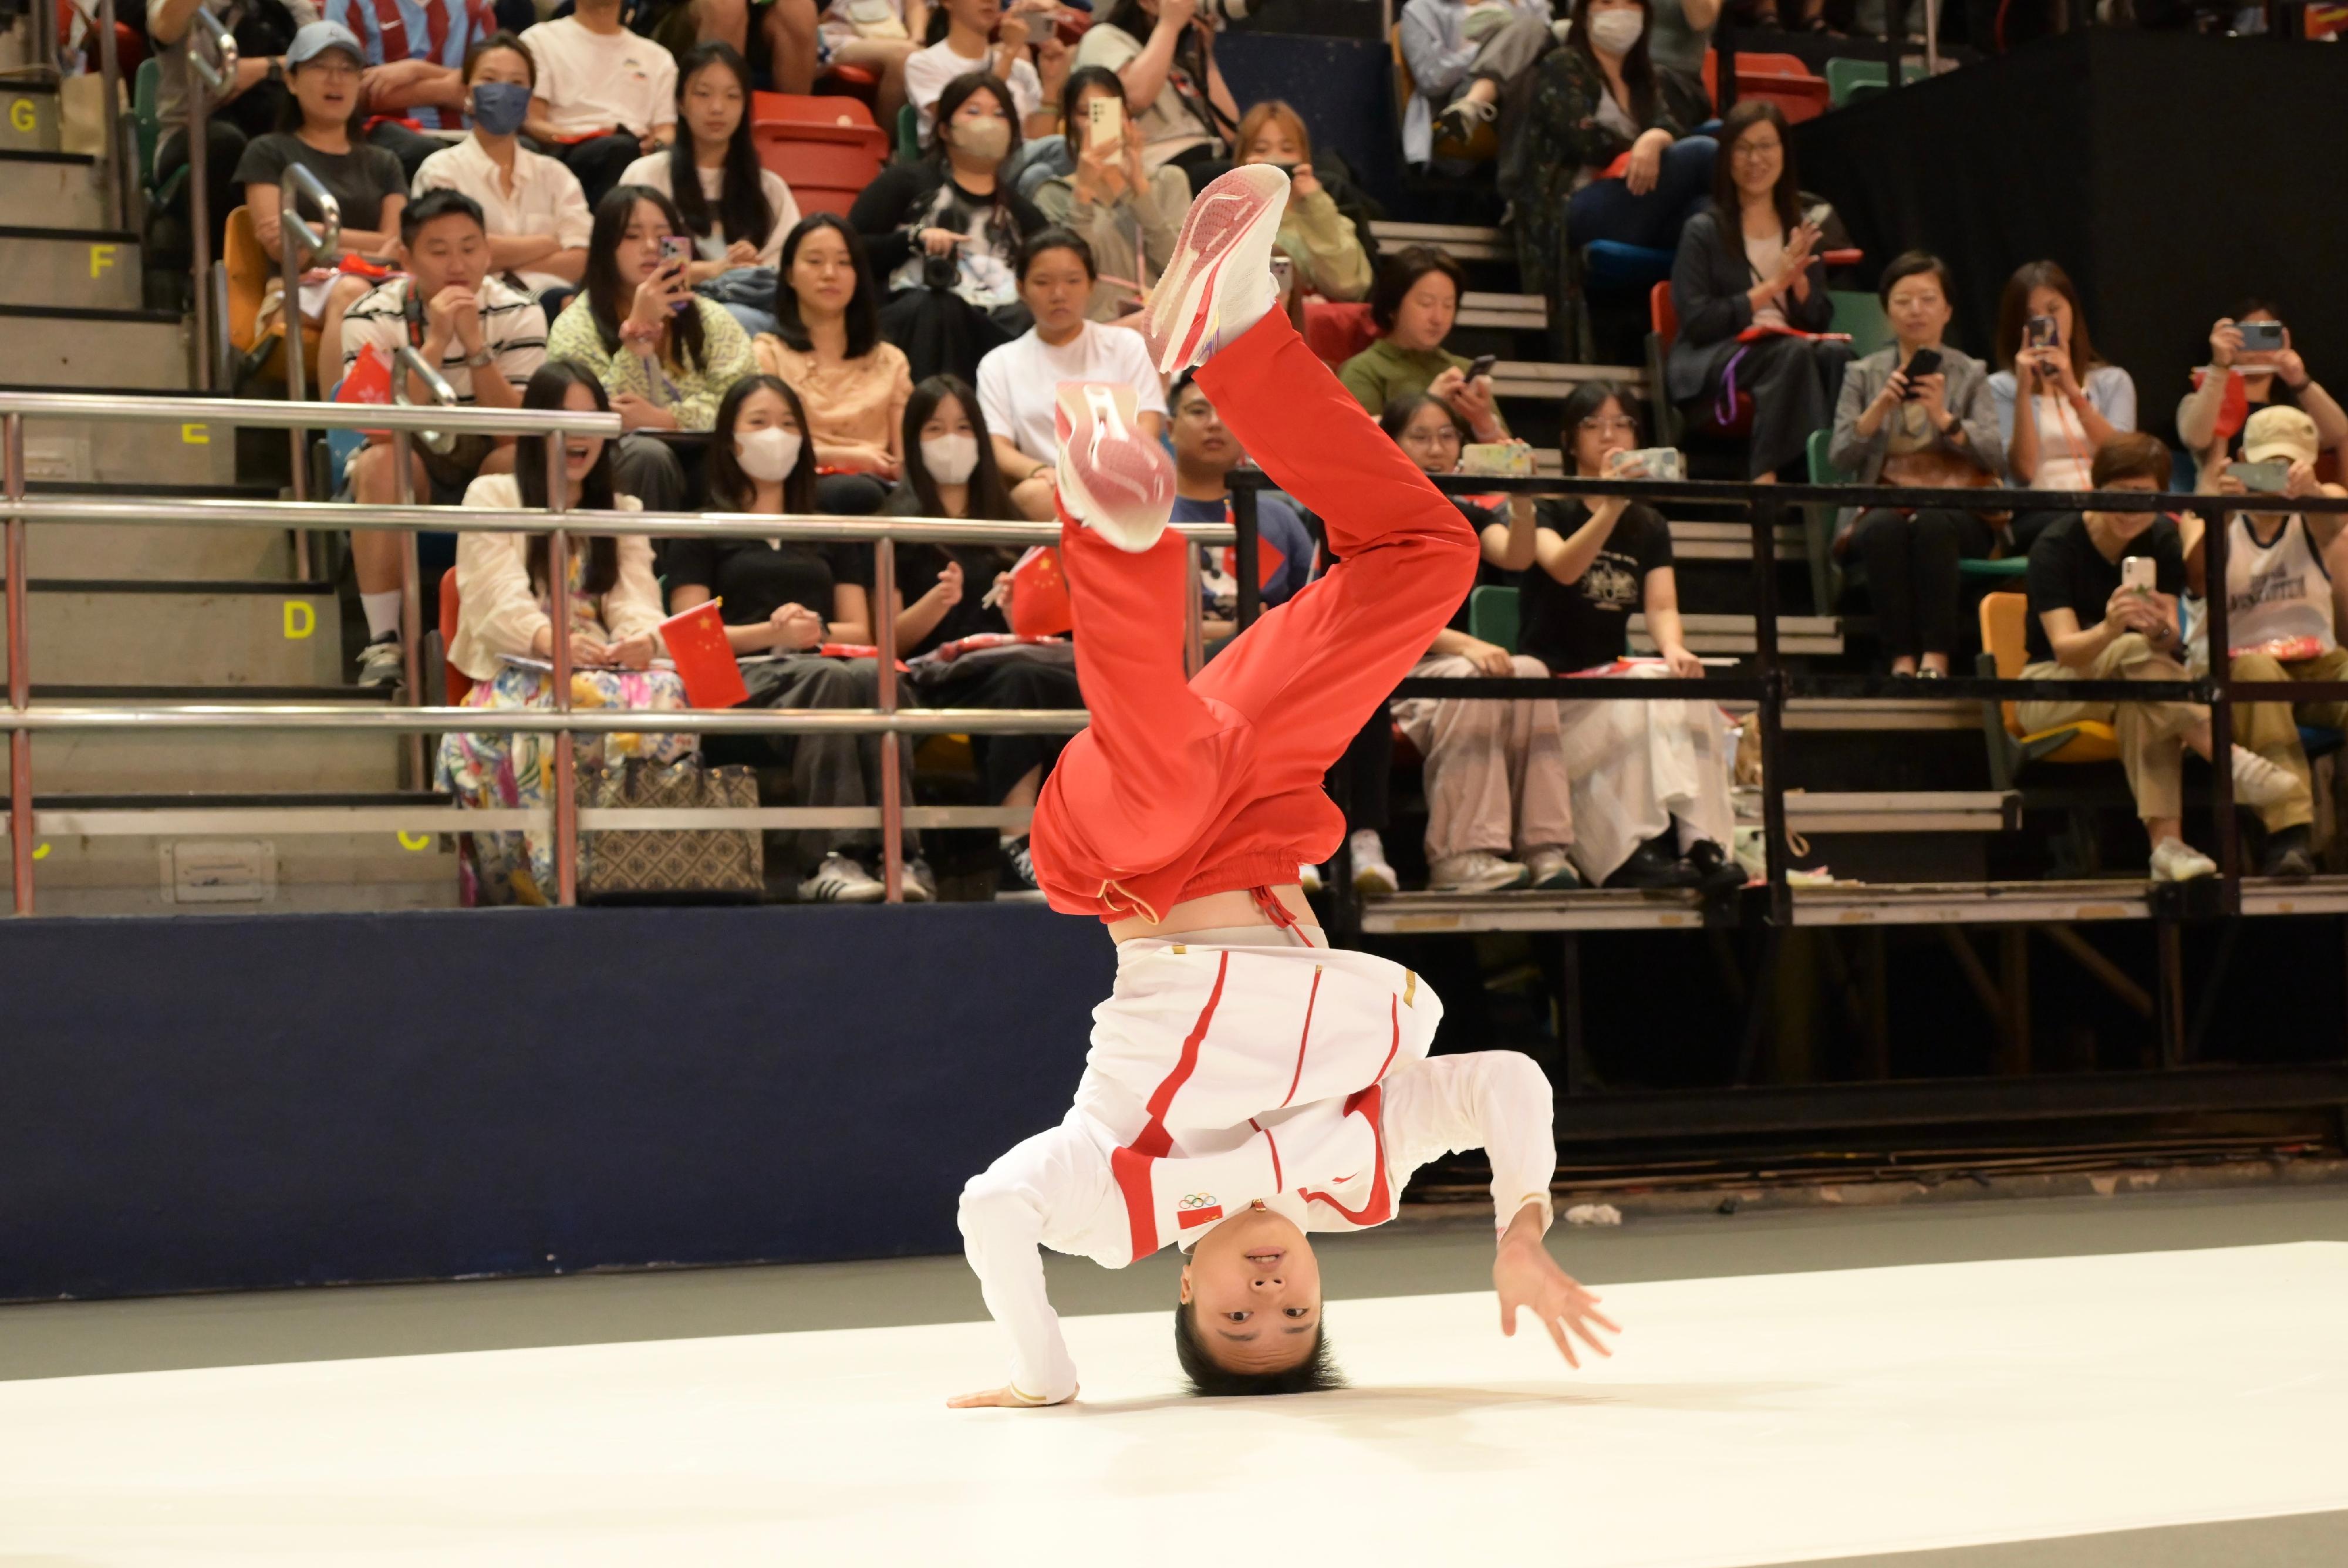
(720, 865)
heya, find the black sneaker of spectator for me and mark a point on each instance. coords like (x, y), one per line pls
(1653, 865)
(382, 663)
(2287, 855)
(1721, 873)
(1015, 867)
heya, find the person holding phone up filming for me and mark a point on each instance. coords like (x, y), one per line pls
(2103, 587)
(1918, 413)
(2253, 365)
(2076, 402)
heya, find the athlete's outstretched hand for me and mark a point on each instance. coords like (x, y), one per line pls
(1526, 1277)
(993, 1399)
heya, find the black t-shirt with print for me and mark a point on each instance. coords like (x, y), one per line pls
(757, 579)
(1479, 519)
(918, 569)
(1578, 626)
(2068, 572)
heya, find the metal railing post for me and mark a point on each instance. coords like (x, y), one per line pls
(1194, 618)
(109, 73)
(20, 678)
(1771, 712)
(884, 638)
(295, 237)
(411, 571)
(1244, 565)
(2216, 537)
(558, 597)
(203, 80)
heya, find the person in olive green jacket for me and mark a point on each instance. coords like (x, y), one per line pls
(1415, 300)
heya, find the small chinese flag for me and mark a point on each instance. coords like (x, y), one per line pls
(705, 659)
(1268, 561)
(1039, 596)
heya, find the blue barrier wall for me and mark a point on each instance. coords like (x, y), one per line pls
(211, 1103)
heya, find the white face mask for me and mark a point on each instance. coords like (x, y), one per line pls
(768, 455)
(1615, 31)
(951, 460)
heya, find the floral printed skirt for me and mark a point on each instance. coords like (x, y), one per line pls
(486, 769)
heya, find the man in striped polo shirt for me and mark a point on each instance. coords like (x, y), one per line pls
(485, 337)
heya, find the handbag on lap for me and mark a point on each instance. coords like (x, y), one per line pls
(720, 865)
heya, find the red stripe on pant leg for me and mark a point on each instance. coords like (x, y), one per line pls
(1306, 1037)
(1273, 1144)
(1394, 1013)
(1131, 1164)
(1370, 1102)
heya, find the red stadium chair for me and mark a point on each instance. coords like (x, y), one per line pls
(1337, 332)
(825, 148)
(858, 82)
(1783, 80)
(1666, 321)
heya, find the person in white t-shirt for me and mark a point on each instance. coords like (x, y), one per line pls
(737, 209)
(1018, 383)
(537, 217)
(605, 97)
(966, 47)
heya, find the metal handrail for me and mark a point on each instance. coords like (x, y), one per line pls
(204, 78)
(294, 236)
(279, 415)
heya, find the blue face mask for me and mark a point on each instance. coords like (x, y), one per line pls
(499, 108)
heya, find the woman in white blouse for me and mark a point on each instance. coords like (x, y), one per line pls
(737, 209)
(531, 205)
(504, 641)
(2077, 401)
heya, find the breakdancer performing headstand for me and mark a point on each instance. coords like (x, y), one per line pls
(1246, 1083)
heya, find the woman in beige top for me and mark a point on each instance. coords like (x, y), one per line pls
(827, 345)
(504, 638)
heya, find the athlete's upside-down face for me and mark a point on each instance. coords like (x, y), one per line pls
(1254, 1290)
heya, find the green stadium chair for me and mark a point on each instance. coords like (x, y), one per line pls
(1860, 313)
(908, 134)
(1492, 614)
(145, 94)
(1846, 77)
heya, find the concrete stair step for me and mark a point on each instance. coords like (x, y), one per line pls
(1507, 312)
(30, 120)
(117, 454)
(1811, 635)
(86, 269)
(220, 762)
(51, 189)
(1904, 812)
(57, 347)
(126, 631)
(118, 551)
(1536, 379)
(1463, 242)
(241, 873)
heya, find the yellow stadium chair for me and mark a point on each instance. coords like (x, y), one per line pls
(248, 269)
(2003, 617)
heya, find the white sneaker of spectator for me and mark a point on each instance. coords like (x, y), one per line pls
(2175, 860)
(920, 884)
(1373, 877)
(2259, 782)
(1477, 870)
(381, 664)
(1550, 871)
(839, 880)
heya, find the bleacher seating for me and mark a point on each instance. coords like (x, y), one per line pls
(1783, 80)
(825, 148)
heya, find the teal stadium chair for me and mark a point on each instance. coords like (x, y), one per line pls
(1847, 78)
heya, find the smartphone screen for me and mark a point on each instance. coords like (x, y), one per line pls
(1040, 27)
(2040, 332)
(1107, 127)
(2265, 479)
(675, 248)
(2139, 571)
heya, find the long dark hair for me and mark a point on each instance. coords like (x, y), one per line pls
(742, 203)
(1400, 411)
(863, 312)
(1638, 70)
(731, 490)
(610, 296)
(957, 93)
(1727, 202)
(2013, 312)
(291, 118)
(990, 498)
(549, 388)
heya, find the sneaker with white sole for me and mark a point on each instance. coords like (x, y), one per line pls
(920, 883)
(1308, 877)
(1219, 282)
(2259, 782)
(2175, 860)
(1113, 478)
(1551, 871)
(840, 880)
(1373, 877)
(1477, 870)
(382, 663)
(1016, 867)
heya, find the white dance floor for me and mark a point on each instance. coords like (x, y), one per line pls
(1745, 1420)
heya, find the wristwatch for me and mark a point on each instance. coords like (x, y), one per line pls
(484, 359)
(276, 71)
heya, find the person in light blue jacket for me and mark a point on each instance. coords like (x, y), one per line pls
(1462, 54)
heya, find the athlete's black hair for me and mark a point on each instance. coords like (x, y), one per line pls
(1212, 1380)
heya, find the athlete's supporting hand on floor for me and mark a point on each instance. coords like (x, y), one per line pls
(1528, 1277)
(1007, 1398)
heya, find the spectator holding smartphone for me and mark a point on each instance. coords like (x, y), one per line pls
(735, 208)
(989, 37)
(1317, 231)
(2103, 606)
(2241, 379)
(1164, 53)
(1751, 292)
(605, 97)
(2279, 617)
(1414, 304)
(1918, 413)
(1129, 213)
(2076, 402)
(665, 354)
